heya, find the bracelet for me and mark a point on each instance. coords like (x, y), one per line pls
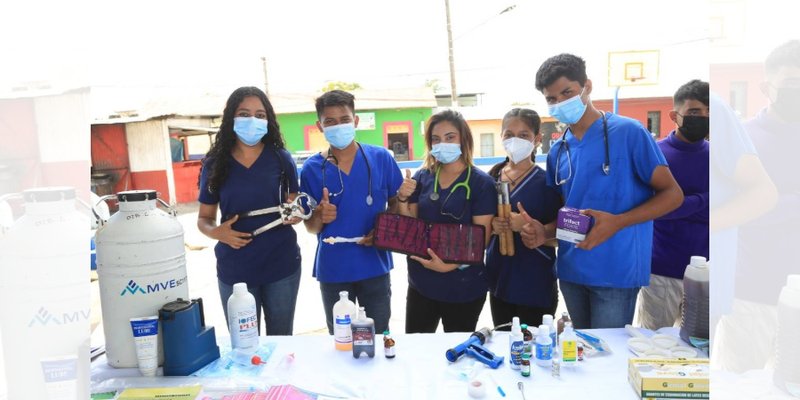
(401, 200)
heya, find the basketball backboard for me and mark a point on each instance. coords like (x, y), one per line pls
(633, 68)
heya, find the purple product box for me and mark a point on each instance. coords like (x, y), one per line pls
(572, 226)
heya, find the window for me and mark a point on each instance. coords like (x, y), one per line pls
(654, 123)
(739, 97)
(550, 133)
(487, 144)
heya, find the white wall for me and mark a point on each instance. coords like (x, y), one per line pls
(148, 149)
(62, 126)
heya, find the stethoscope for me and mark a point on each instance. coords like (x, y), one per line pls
(606, 165)
(283, 181)
(465, 184)
(341, 181)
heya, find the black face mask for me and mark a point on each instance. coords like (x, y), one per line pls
(787, 103)
(695, 128)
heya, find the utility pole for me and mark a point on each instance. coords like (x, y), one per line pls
(453, 92)
(266, 81)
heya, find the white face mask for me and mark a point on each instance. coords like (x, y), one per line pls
(518, 149)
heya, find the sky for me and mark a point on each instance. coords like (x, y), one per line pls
(377, 43)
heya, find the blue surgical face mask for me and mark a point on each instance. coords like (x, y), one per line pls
(568, 111)
(446, 153)
(340, 136)
(250, 130)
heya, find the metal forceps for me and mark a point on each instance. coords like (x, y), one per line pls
(286, 211)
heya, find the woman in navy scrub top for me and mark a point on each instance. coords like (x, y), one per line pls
(523, 285)
(248, 168)
(448, 189)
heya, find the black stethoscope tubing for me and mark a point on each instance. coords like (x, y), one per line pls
(366, 161)
(606, 164)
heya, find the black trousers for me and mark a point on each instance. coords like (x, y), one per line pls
(503, 312)
(423, 314)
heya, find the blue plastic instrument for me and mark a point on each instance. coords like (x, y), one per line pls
(473, 348)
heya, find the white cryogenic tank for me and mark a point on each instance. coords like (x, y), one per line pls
(141, 266)
(45, 297)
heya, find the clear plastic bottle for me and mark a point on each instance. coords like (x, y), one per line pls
(242, 318)
(544, 347)
(516, 344)
(363, 335)
(344, 311)
(787, 354)
(548, 320)
(569, 346)
(694, 315)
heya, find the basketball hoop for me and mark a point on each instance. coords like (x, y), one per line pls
(633, 68)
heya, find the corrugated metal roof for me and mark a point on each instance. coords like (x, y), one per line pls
(117, 105)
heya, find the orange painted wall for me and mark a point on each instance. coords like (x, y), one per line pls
(110, 154)
(153, 180)
(479, 127)
(638, 109)
(186, 175)
(750, 74)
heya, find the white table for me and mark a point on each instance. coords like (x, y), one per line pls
(420, 370)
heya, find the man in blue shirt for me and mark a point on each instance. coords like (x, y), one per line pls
(352, 182)
(609, 167)
(683, 233)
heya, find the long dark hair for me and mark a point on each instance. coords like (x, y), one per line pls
(455, 118)
(528, 117)
(221, 150)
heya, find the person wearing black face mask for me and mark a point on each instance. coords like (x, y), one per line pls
(767, 246)
(786, 103)
(683, 232)
(694, 127)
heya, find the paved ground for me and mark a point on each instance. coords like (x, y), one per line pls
(309, 316)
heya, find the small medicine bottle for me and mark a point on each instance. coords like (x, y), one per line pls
(388, 345)
(525, 366)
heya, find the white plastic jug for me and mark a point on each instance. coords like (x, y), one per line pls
(344, 313)
(694, 315)
(243, 318)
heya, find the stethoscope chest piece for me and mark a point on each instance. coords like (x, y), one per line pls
(434, 196)
(369, 199)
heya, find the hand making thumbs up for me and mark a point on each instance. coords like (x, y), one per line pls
(407, 188)
(532, 233)
(326, 209)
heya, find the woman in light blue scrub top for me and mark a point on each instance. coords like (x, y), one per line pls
(448, 189)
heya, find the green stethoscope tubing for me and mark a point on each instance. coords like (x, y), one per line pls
(465, 184)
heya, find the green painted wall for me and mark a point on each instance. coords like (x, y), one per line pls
(292, 127)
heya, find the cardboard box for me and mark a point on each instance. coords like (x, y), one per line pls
(669, 378)
(571, 225)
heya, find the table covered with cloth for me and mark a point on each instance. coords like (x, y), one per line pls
(419, 371)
